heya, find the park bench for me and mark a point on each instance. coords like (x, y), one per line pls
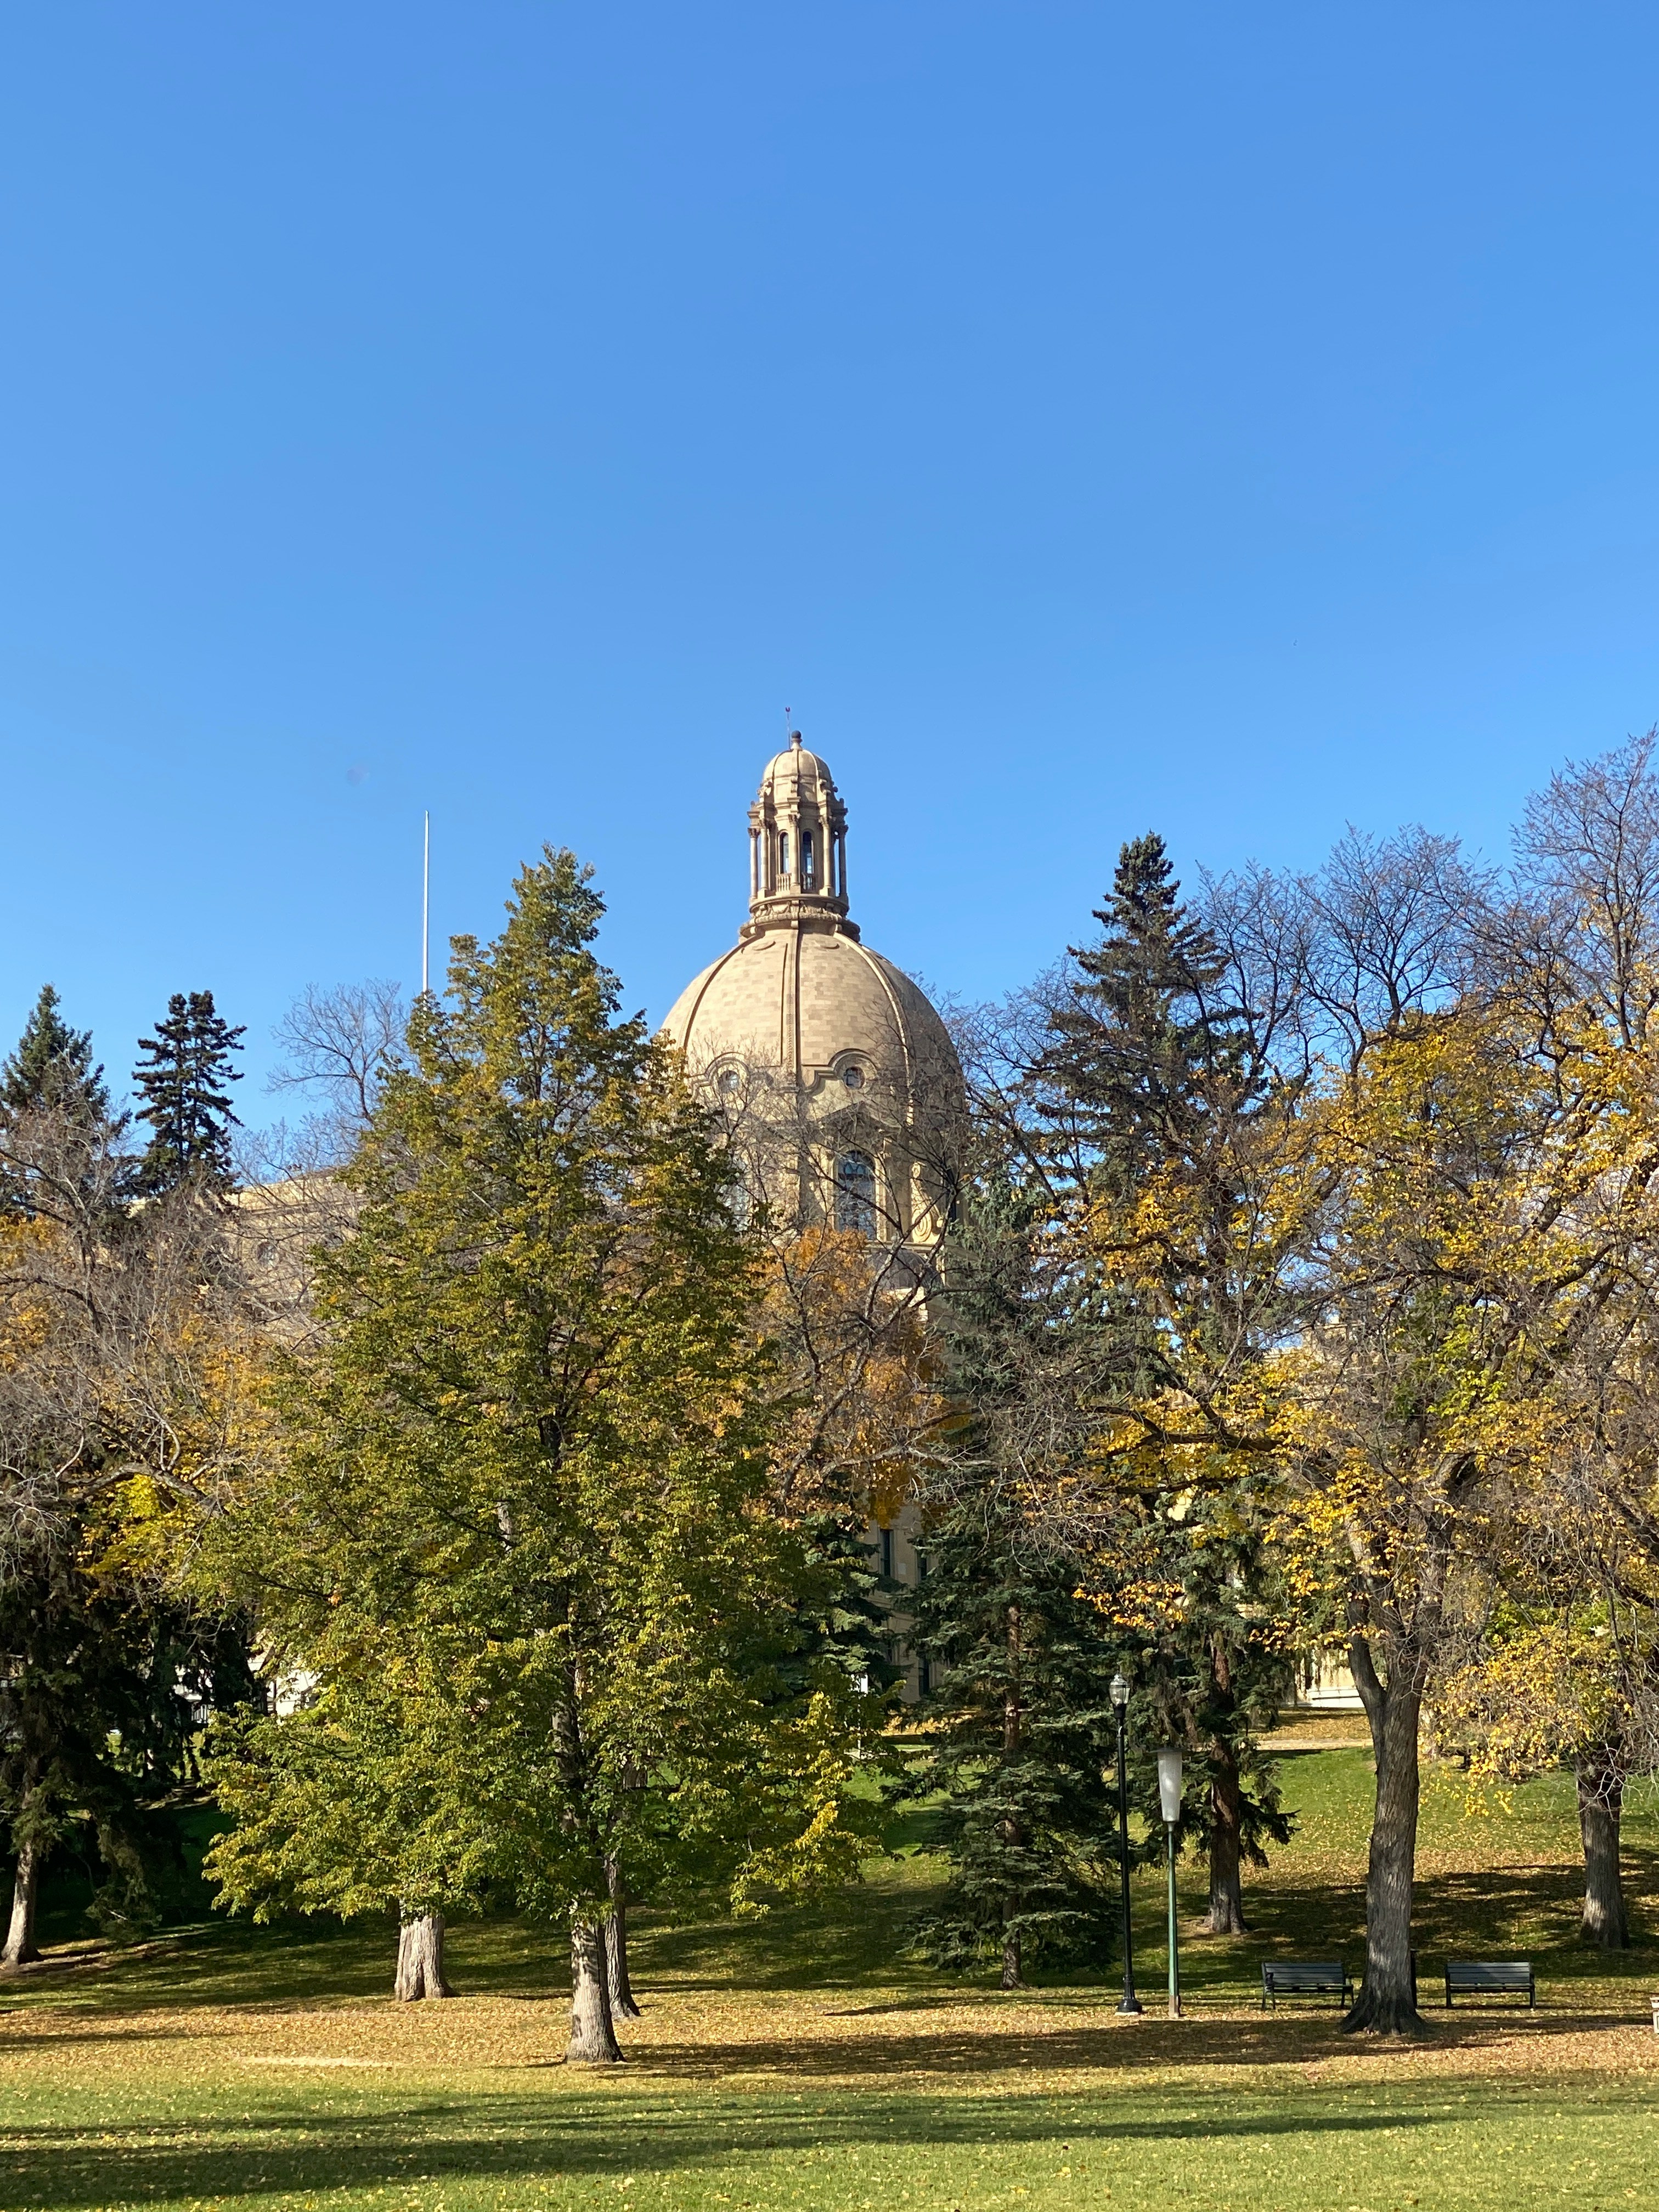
(1493, 1977)
(1305, 1977)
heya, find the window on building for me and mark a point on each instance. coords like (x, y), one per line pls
(855, 1193)
(783, 855)
(887, 1554)
(806, 860)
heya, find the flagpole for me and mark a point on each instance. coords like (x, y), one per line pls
(426, 907)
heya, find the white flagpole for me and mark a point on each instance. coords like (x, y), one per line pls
(426, 907)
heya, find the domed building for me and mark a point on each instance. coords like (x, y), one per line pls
(804, 1026)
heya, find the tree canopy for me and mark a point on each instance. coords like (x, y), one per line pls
(512, 1544)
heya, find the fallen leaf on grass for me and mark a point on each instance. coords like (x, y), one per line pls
(381, 2065)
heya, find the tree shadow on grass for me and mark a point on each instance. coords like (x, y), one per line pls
(294, 2154)
(846, 1942)
(284, 1967)
(855, 1940)
(1225, 2045)
(230, 1964)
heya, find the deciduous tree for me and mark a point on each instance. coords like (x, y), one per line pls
(117, 1338)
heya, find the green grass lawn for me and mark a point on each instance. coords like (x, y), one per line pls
(797, 2063)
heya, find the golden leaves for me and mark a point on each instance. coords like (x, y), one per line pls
(848, 1334)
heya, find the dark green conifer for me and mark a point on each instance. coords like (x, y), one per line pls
(59, 1145)
(184, 1082)
(1215, 1684)
(51, 1063)
(1145, 1037)
(1151, 1078)
(518, 1534)
(1018, 1658)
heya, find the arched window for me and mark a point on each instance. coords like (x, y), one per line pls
(807, 882)
(855, 1193)
(783, 853)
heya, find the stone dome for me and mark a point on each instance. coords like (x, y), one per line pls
(813, 1003)
(794, 765)
(802, 1010)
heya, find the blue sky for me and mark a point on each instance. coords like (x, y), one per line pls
(1237, 422)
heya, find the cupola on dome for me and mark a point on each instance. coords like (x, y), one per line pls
(802, 1008)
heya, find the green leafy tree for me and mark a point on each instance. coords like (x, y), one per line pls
(184, 1080)
(514, 1532)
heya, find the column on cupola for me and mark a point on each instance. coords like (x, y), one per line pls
(760, 832)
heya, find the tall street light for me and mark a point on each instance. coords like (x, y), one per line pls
(1121, 1701)
(1168, 1792)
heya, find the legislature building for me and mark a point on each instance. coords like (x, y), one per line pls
(807, 1029)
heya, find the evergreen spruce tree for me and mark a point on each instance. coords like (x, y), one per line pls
(1019, 1659)
(90, 1727)
(1153, 1092)
(53, 1064)
(53, 1101)
(184, 1080)
(1145, 1046)
(1216, 1682)
(848, 1623)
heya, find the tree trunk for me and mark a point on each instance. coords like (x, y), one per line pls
(1013, 1720)
(1011, 1959)
(1601, 1804)
(1226, 1913)
(21, 1946)
(1386, 2003)
(623, 2006)
(593, 2038)
(421, 1959)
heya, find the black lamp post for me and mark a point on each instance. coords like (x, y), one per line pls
(1121, 1701)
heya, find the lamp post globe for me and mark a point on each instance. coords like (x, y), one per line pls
(1168, 1793)
(1120, 1697)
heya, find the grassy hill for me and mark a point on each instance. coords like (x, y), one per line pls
(802, 2061)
